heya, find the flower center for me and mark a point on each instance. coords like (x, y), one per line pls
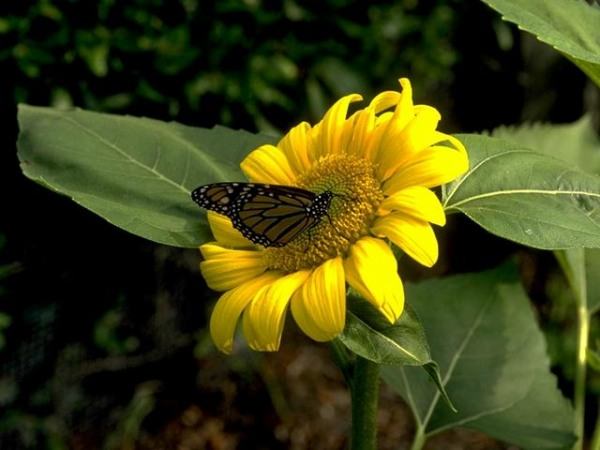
(356, 196)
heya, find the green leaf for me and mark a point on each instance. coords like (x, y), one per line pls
(491, 353)
(136, 173)
(570, 26)
(526, 197)
(368, 334)
(578, 144)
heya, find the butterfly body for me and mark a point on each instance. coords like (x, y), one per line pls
(268, 215)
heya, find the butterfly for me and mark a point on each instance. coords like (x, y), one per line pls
(266, 214)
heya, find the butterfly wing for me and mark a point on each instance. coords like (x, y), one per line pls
(218, 197)
(269, 215)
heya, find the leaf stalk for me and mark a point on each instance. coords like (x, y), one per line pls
(583, 327)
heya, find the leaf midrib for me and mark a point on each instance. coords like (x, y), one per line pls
(519, 192)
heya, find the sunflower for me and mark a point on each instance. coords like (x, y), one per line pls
(383, 160)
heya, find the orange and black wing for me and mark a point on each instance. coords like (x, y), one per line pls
(269, 215)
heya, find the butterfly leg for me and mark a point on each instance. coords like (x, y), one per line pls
(308, 244)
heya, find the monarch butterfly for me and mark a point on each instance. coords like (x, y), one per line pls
(268, 215)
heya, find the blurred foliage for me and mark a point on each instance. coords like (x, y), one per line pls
(593, 357)
(249, 63)
(4, 323)
(129, 425)
(110, 333)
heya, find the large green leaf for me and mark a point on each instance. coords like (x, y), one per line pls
(491, 353)
(137, 173)
(578, 144)
(528, 197)
(570, 26)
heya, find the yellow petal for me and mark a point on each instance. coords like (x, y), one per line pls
(372, 270)
(230, 305)
(396, 120)
(400, 143)
(268, 164)
(416, 201)
(306, 321)
(331, 128)
(384, 100)
(319, 307)
(295, 146)
(431, 167)
(383, 118)
(405, 111)
(264, 318)
(224, 233)
(415, 237)
(361, 134)
(372, 143)
(224, 269)
(348, 132)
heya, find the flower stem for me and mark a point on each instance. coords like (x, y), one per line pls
(583, 327)
(365, 396)
(572, 262)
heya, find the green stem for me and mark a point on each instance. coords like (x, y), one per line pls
(419, 439)
(583, 329)
(365, 396)
(573, 264)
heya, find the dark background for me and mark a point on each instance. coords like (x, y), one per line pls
(103, 339)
